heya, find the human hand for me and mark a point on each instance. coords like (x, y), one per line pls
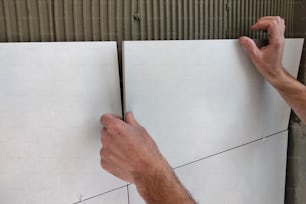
(268, 59)
(128, 151)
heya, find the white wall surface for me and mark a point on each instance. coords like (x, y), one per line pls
(202, 101)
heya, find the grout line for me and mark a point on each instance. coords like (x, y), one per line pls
(187, 164)
(128, 193)
(245, 144)
(100, 194)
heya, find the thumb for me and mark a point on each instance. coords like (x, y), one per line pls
(130, 119)
(250, 47)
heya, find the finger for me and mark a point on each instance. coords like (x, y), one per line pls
(108, 119)
(277, 18)
(113, 124)
(273, 26)
(106, 116)
(250, 47)
(117, 116)
(276, 30)
(130, 119)
(103, 131)
(104, 134)
(263, 25)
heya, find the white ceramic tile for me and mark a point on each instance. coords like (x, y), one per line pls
(51, 99)
(119, 196)
(251, 174)
(134, 196)
(197, 98)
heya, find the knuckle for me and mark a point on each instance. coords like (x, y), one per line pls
(278, 44)
(103, 164)
(103, 118)
(278, 18)
(102, 152)
(274, 23)
(142, 129)
(115, 128)
(261, 18)
(104, 139)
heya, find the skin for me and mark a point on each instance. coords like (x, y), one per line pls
(130, 153)
(268, 61)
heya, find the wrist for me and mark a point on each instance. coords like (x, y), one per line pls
(286, 85)
(156, 185)
(278, 78)
(157, 171)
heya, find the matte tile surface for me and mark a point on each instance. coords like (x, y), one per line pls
(253, 174)
(51, 99)
(119, 196)
(197, 98)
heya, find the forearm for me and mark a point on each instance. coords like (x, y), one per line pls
(163, 187)
(293, 92)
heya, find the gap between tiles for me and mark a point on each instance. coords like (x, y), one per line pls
(114, 189)
(183, 165)
(128, 193)
(227, 150)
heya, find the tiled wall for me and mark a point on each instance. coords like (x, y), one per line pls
(296, 164)
(79, 20)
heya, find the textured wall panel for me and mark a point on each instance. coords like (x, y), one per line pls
(182, 19)
(243, 13)
(79, 20)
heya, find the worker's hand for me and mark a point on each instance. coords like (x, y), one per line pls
(128, 151)
(268, 59)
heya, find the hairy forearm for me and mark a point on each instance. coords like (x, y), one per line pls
(293, 92)
(162, 186)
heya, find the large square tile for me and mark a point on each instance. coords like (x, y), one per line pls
(119, 196)
(197, 98)
(253, 174)
(51, 99)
